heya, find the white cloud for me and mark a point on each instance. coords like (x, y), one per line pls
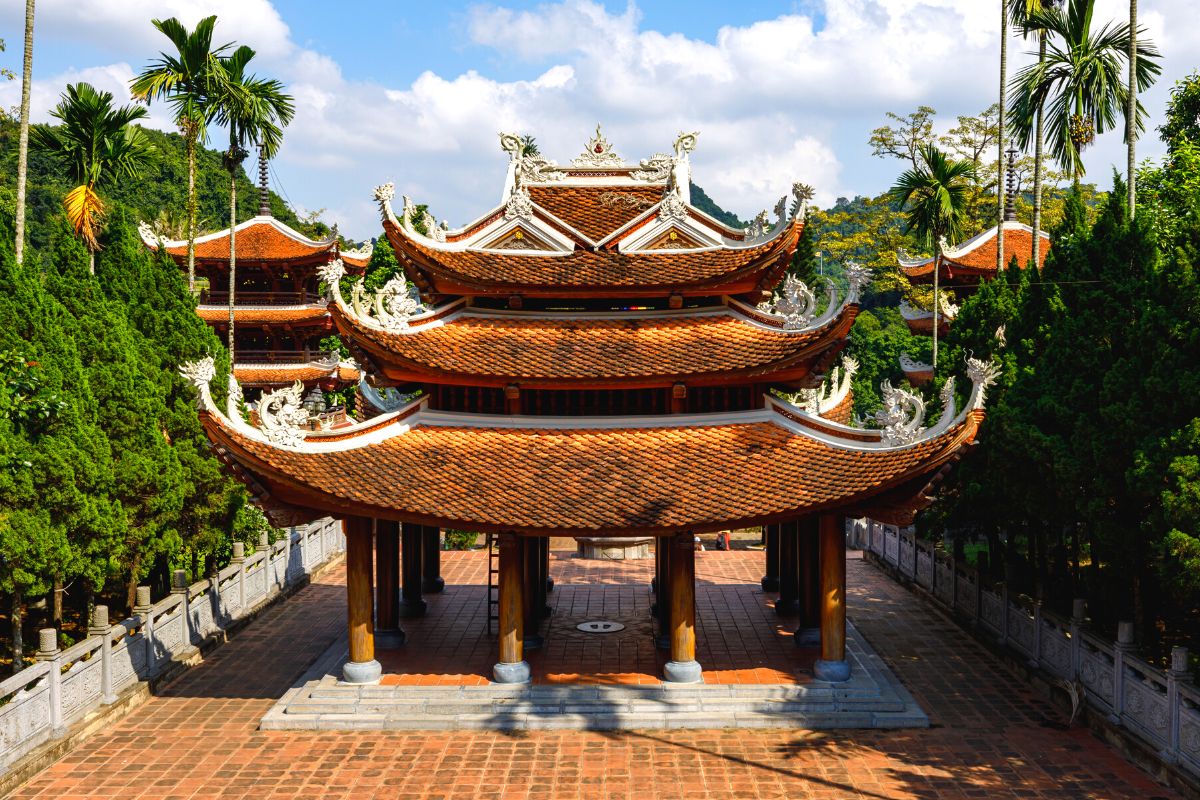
(775, 101)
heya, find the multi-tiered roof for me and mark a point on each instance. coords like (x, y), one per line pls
(595, 355)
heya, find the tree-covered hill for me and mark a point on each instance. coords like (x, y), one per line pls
(158, 196)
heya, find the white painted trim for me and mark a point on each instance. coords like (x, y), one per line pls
(242, 226)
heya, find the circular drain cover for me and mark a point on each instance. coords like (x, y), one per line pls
(600, 626)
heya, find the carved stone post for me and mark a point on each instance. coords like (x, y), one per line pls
(1124, 646)
(512, 667)
(48, 651)
(410, 571)
(431, 560)
(179, 586)
(770, 581)
(99, 627)
(362, 666)
(142, 609)
(832, 666)
(387, 584)
(1177, 673)
(239, 559)
(683, 667)
(1078, 610)
(788, 603)
(809, 632)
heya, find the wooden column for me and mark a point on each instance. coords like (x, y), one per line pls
(683, 668)
(809, 632)
(362, 666)
(431, 560)
(545, 542)
(387, 584)
(770, 581)
(512, 667)
(410, 571)
(832, 665)
(662, 597)
(788, 604)
(531, 605)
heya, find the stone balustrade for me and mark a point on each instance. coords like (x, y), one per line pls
(61, 687)
(1159, 708)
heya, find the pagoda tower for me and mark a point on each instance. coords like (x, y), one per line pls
(594, 356)
(280, 312)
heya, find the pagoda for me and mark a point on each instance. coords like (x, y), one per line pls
(280, 314)
(594, 356)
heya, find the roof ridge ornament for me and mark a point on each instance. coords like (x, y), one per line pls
(523, 168)
(519, 205)
(983, 374)
(796, 305)
(149, 235)
(672, 207)
(901, 417)
(858, 277)
(598, 153)
(389, 307)
(283, 417)
(802, 194)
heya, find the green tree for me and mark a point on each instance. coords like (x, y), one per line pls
(96, 144)
(911, 134)
(1078, 84)
(1183, 112)
(187, 80)
(255, 110)
(934, 198)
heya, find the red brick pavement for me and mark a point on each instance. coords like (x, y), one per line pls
(199, 738)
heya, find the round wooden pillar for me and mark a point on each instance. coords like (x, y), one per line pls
(788, 602)
(362, 666)
(809, 632)
(431, 560)
(387, 584)
(531, 594)
(410, 571)
(683, 667)
(770, 581)
(832, 666)
(662, 592)
(512, 667)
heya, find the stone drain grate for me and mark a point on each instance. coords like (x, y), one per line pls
(600, 626)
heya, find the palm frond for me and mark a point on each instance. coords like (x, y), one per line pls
(84, 209)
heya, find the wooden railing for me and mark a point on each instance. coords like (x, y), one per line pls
(217, 297)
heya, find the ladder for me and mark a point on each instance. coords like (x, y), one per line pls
(493, 584)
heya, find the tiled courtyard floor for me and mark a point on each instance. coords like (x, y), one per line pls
(989, 740)
(740, 639)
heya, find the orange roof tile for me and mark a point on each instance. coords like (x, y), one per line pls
(588, 268)
(604, 348)
(977, 256)
(258, 239)
(596, 211)
(259, 375)
(264, 315)
(610, 480)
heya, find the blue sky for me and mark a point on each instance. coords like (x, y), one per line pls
(416, 93)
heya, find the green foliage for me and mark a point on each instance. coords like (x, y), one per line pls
(877, 340)
(1183, 112)
(460, 540)
(806, 265)
(702, 201)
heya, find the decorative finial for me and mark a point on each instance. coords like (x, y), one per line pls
(199, 373)
(598, 153)
(264, 194)
(982, 374)
(901, 417)
(796, 305)
(858, 276)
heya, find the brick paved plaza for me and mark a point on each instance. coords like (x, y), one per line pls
(989, 739)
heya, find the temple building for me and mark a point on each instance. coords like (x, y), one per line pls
(594, 356)
(280, 314)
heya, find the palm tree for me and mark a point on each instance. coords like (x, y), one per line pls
(1079, 82)
(935, 198)
(1001, 198)
(255, 110)
(186, 80)
(97, 144)
(23, 136)
(1131, 93)
(1020, 12)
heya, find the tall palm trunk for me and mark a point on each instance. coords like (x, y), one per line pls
(1000, 198)
(232, 253)
(1131, 109)
(18, 643)
(191, 136)
(1038, 144)
(23, 138)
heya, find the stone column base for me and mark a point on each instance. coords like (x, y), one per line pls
(389, 639)
(682, 672)
(433, 585)
(511, 673)
(832, 671)
(359, 672)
